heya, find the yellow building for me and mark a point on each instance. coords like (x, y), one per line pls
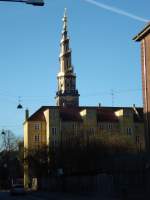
(52, 125)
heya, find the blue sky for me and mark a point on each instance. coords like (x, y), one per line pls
(104, 55)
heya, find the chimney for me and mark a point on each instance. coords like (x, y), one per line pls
(26, 114)
(135, 110)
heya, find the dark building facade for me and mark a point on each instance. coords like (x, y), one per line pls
(144, 38)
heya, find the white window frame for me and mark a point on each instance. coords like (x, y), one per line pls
(37, 138)
(37, 126)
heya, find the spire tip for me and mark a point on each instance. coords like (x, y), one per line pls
(65, 12)
(64, 19)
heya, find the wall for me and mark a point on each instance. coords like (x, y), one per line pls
(145, 58)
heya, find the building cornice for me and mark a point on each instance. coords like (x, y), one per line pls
(143, 33)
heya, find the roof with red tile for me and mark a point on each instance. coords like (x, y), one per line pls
(70, 114)
(104, 114)
(38, 115)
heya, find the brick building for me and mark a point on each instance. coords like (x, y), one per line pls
(144, 38)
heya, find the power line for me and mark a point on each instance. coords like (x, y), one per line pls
(24, 98)
(108, 92)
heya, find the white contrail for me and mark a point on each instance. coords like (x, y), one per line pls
(116, 10)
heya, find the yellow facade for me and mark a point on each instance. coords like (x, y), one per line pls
(55, 127)
(34, 134)
(63, 125)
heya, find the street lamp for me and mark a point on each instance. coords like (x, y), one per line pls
(3, 132)
(19, 106)
(32, 2)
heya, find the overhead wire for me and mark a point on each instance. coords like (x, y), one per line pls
(83, 95)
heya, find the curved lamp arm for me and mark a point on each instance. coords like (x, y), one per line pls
(32, 2)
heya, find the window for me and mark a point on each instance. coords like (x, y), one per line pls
(137, 139)
(109, 126)
(54, 113)
(126, 113)
(129, 131)
(37, 138)
(54, 143)
(92, 130)
(67, 85)
(73, 84)
(101, 126)
(37, 126)
(54, 131)
(75, 128)
(68, 63)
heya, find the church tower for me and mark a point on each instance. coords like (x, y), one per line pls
(67, 94)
